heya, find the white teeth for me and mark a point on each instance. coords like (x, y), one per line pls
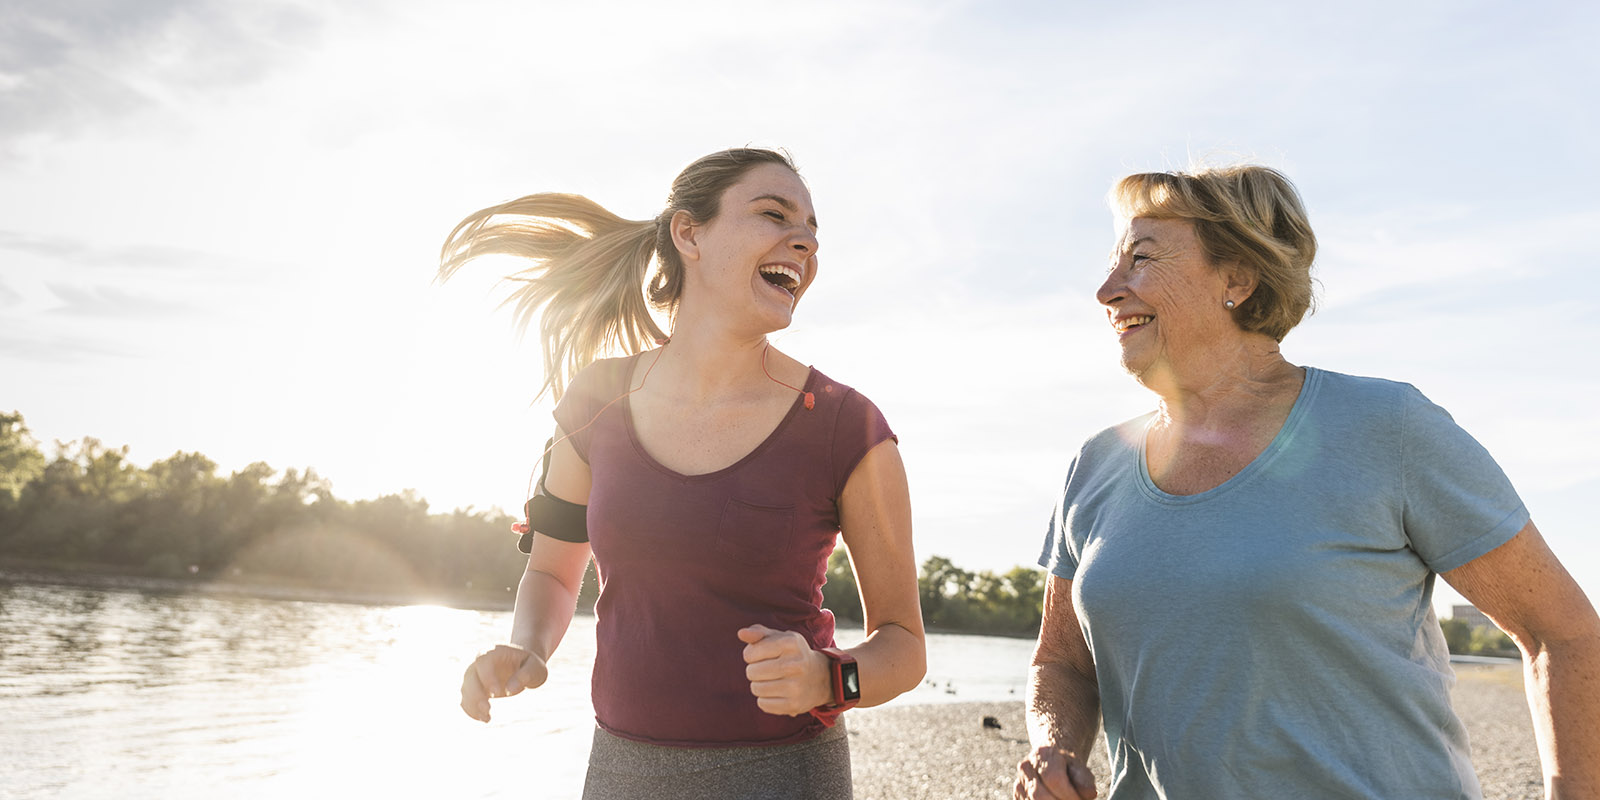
(1122, 325)
(791, 274)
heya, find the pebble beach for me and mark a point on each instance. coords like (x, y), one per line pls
(945, 752)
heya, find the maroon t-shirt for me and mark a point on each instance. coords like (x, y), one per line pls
(685, 561)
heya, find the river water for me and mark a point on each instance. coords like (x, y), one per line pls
(126, 694)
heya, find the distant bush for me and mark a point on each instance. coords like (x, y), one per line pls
(1465, 639)
(89, 507)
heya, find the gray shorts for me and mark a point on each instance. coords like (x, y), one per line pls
(816, 769)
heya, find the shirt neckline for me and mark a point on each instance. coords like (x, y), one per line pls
(649, 460)
(1298, 412)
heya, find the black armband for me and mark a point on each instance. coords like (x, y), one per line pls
(555, 518)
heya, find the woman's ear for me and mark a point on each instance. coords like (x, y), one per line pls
(1241, 281)
(685, 235)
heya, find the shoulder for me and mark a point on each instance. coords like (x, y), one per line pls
(1364, 400)
(1124, 436)
(840, 400)
(1359, 387)
(1106, 455)
(601, 377)
(591, 390)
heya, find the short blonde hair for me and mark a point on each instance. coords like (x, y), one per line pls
(1248, 214)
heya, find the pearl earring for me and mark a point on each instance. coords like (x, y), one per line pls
(1228, 304)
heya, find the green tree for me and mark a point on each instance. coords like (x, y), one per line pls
(1457, 636)
(839, 593)
(92, 507)
(20, 459)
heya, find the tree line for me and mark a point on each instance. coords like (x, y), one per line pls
(88, 509)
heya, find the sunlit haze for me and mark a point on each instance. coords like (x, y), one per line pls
(219, 222)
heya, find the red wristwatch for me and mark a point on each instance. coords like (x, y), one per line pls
(846, 678)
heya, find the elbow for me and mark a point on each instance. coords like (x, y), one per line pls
(912, 660)
(918, 666)
(906, 658)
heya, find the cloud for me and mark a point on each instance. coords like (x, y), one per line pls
(103, 302)
(78, 252)
(68, 66)
(55, 351)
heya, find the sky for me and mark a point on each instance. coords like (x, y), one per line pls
(220, 221)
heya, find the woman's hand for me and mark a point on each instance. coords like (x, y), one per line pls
(1049, 773)
(501, 672)
(786, 675)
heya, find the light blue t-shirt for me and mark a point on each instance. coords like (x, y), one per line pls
(1274, 637)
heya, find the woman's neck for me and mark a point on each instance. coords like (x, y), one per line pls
(701, 365)
(1225, 390)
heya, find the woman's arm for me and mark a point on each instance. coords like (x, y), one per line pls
(875, 522)
(1525, 590)
(786, 675)
(1063, 705)
(546, 598)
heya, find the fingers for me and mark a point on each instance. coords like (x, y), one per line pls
(1027, 776)
(755, 633)
(780, 668)
(474, 700)
(483, 667)
(500, 672)
(1083, 781)
(1050, 774)
(763, 643)
(530, 675)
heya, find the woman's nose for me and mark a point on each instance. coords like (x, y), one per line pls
(1111, 291)
(805, 241)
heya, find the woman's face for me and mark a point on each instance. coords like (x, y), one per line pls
(759, 254)
(1164, 298)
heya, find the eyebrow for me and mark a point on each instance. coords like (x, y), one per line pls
(786, 203)
(1119, 248)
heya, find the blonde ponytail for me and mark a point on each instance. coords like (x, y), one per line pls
(584, 281)
(586, 278)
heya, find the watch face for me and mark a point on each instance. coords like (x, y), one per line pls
(852, 681)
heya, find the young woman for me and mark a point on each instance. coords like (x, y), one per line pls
(716, 473)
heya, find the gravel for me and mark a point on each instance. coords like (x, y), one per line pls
(945, 752)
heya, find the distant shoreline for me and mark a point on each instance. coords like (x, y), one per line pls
(89, 577)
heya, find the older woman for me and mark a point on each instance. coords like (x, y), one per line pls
(1242, 581)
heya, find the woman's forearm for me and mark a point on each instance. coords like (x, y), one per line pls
(891, 661)
(1063, 709)
(544, 610)
(1563, 686)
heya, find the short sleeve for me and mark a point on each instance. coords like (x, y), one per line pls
(859, 427)
(1458, 503)
(586, 397)
(1057, 555)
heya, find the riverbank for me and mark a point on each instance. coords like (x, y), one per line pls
(91, 577)
(945, 751)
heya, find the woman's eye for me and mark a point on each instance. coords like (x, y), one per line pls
(1139, 258)
(777, 215)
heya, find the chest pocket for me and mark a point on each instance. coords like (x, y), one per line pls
(755, 534)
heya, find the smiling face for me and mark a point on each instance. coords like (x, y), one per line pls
(1165, 299)
(758, 255)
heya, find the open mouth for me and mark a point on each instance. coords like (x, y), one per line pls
(784, 277)
(1130, 323)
